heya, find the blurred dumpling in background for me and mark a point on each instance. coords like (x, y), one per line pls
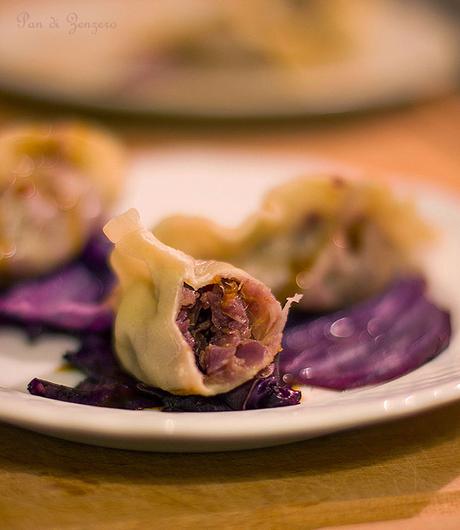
(334, 240)
(260, 32)
(226, 51)
(300, 32)
(57, 185)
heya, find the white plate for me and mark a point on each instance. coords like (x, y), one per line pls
(403, 51)
(211, 183)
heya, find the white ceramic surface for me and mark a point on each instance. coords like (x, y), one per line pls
(211, 183)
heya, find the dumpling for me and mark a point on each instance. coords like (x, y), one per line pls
(187, 326)
(335, 240)
(56, 186)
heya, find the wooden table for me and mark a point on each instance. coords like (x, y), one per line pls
(406, 472)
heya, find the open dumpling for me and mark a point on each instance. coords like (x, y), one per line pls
(56, 186)
(187, 326)
(334, 240)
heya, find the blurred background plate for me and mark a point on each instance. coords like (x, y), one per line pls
(201, 58)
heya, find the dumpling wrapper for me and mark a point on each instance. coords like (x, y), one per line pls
(148, 341)
(57, 184)
(335, 240)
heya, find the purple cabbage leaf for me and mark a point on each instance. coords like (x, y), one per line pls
(73, 298)
(372, 342)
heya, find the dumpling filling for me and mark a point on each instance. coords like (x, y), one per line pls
(216, 321)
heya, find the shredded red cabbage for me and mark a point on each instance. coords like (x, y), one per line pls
(70, 299)
(371, 342)
(106, 385)
(112, 394)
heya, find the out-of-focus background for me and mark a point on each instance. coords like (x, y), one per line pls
(211, 58)
(369, 83)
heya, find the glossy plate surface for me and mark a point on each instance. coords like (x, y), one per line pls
(212, 183)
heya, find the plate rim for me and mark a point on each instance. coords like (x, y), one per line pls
(180, 432)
